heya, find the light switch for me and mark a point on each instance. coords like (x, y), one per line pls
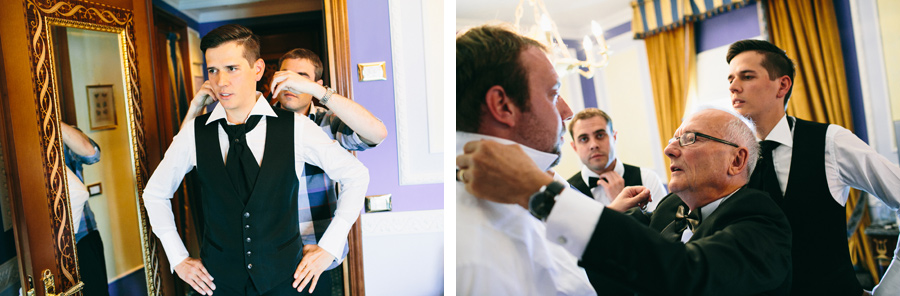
(372, 71)
(378, 203)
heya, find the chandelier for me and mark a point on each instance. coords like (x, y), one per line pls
(546, 32)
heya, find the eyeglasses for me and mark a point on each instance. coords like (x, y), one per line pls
(691, 137)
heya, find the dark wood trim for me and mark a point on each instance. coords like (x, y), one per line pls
(337, 33)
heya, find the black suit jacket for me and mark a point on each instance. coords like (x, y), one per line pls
(743, 248)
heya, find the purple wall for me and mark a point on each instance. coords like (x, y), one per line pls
(370, 41)
(726, 28)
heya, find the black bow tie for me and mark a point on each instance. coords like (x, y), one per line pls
(592, 182)
(682, 221)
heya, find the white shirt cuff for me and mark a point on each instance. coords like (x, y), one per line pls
(572, 221)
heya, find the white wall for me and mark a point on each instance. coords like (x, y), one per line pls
(404, 252)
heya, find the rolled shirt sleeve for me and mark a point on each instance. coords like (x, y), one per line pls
(314, 147)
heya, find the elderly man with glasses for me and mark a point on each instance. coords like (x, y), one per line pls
(711, 236)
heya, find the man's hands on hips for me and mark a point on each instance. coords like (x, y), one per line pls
(315, 261)
(295, 83)
(499, 173)
(191, 270)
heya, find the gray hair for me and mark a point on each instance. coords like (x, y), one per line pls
(742, 131)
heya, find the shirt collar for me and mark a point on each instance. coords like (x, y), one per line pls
(781, 133)
(709, 208)
(260, 108)
(542, 159)
(586, 172)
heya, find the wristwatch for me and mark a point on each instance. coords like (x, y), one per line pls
(541, 202)
(328, 92)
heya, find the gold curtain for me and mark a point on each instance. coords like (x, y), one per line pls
(672, 59)
(806, 30)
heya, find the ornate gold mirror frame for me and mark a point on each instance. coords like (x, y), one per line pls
(40, 16)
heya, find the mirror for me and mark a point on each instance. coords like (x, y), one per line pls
(90, 79)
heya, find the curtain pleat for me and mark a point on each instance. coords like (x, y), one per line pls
(672, 57)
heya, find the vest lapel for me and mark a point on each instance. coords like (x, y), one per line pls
(268, 157)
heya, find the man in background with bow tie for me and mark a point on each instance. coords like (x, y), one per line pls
(249, 158)
(711, 236)
(602, 175)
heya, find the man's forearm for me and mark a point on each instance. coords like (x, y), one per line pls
(76, 140)
(367, 126)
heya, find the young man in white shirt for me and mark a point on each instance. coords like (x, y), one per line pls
(249, 159)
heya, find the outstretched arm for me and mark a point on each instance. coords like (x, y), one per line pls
(76, 140)
(367, 126)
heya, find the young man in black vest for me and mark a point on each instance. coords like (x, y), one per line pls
(603, 176)
(249, 158)
(711, 236)
(808, 169)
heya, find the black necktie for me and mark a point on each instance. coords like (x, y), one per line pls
(592, 182)
(764, 177)
(682, 221)
(240, 164)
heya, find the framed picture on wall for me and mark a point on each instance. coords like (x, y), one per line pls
(101, 106)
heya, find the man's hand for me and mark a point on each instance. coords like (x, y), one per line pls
(612, 183)
(499, 173)
(315, 261)
(204, 96)
(293, 82)
(631, 196)
(191, 270)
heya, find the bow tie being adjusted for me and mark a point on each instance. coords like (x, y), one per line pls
(682, 221)
(592, 182)
(240, 164)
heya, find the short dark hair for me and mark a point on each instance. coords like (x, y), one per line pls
(486, 56)
(231, 32)
(589, 113)
(304, 54)
(775, 60)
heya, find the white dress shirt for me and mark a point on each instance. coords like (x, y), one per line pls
(78, 196)
(310, 145)
(649, 179)
(849, 162)
(501, 248)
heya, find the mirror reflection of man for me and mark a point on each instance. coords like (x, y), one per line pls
(602, 175)
(832, 159)
(346, 121)
(249, 158)
(79, 149)
(508, 91)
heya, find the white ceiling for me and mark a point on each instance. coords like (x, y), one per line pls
(217, 10)
(571, 17)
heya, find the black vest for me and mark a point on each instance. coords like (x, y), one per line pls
(821, 257)
(603, 285)
(632, 177)
(259, 240)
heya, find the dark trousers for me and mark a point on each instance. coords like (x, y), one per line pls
(92, 265)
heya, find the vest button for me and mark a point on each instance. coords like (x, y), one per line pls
(250, 266)
(248, 239)
(247, 226)
(246, 214)
(237, 140)
(248, 253)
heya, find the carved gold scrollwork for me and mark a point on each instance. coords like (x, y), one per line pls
(40, 15)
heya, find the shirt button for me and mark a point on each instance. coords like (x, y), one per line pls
(248, 253)
(561, 240)
(250, 266)
(246, 214)
(247, 226)
(248, 239)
